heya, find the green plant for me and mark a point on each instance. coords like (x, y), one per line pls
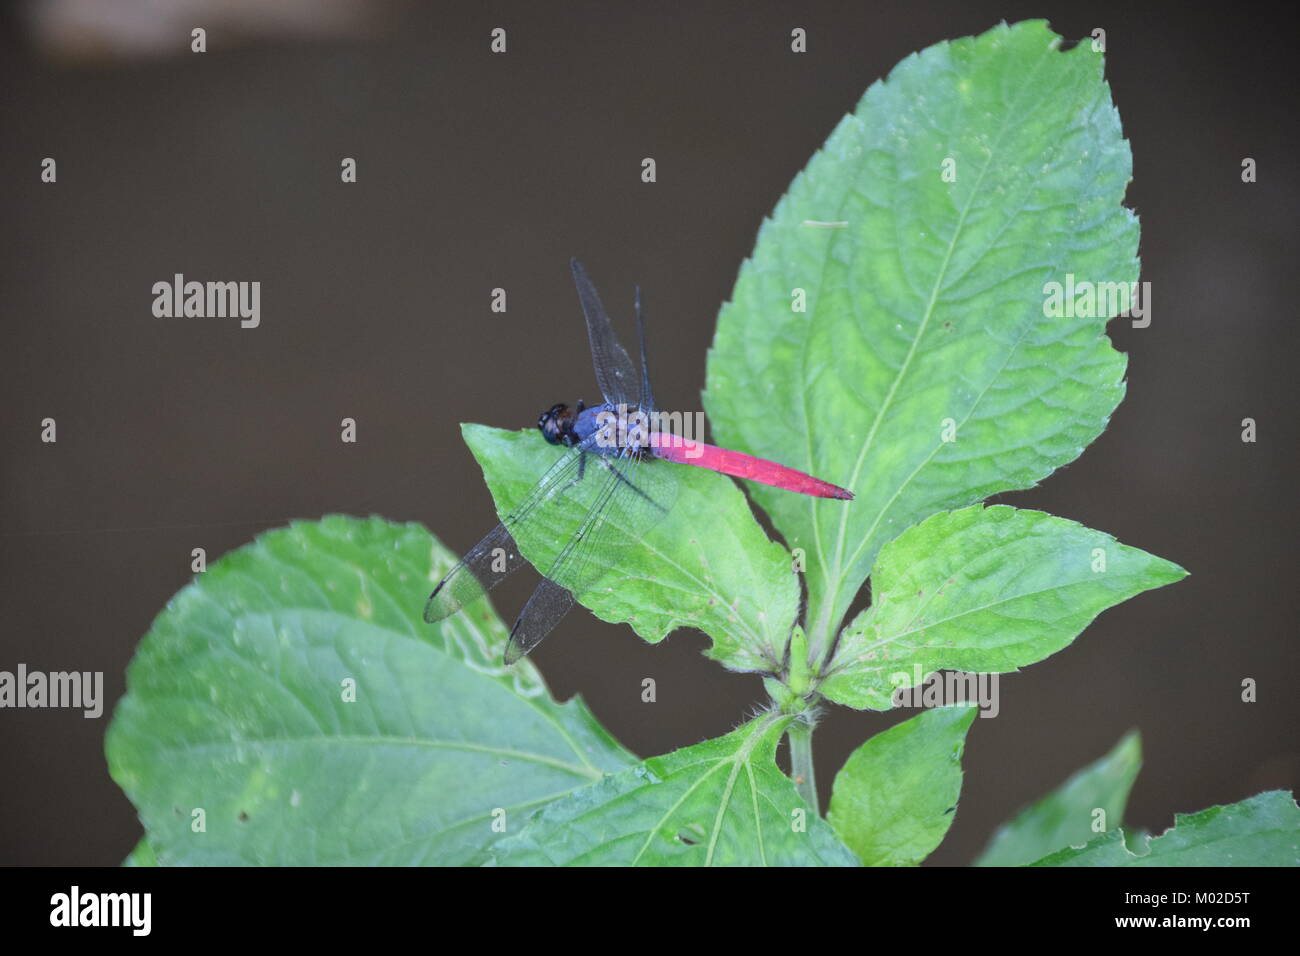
(290, 706)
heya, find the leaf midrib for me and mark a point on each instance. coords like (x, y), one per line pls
(828, 618)
(534, 703)
(741, 755)
(385, 741)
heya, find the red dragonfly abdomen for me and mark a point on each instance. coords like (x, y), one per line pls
(676, 449)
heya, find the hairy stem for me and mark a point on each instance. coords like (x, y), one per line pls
(801, 762)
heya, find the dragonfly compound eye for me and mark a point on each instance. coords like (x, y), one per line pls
(551, 423)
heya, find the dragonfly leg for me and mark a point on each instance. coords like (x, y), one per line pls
(623, 479)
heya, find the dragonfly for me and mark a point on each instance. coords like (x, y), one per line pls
(617, 444)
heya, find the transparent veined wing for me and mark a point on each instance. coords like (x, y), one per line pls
(497, 556)
(631, 496)
(615, 373)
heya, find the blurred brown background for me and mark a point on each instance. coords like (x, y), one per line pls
(478, 171)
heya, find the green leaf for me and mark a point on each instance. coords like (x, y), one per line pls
(926, 310)
(237, 706)
(142, 855)
(983, 590)
(706, 565)
(1261, 831)
(1065, 816)
(896, 796)
(1136, 840)
(719, 803)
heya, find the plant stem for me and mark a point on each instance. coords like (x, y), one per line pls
(801, 763)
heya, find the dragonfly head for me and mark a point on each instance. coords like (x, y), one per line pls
(556, 425)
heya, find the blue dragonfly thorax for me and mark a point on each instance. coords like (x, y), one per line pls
(604, 429)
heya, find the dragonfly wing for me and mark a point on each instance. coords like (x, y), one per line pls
(547, 605)
(630, 498)
(484, 566)
(647, 393)
(614, 371)
(497, 556)
(544, 609)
